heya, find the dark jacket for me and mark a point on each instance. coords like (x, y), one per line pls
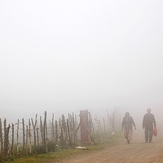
(128, 122)
(149, 120)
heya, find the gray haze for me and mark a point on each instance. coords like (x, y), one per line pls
(66, 56)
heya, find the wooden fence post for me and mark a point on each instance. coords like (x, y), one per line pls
(6, 138)
(12, 141)
(74, 136)
(104, 126)
(1, 138)
(30, 143)
(56, 132)
(64, 131)
(26, 143)
(61, 133)
(17, 138)
(68, 130)
(38, 140)
(41, 130)
(75, 129)
(23, 136)
(45, 131)
(34, 131)
(4, 123)
(52, 128)
(84, 123)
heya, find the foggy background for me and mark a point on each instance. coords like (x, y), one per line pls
(66, 56)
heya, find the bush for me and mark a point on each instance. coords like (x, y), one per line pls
(42, 148)
(7, 158)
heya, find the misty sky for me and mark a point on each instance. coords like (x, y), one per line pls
(68, 55)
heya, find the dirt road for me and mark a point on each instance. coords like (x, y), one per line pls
(136, 152)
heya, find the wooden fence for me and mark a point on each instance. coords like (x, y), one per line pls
(37, 135)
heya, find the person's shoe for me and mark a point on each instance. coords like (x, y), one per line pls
(150, 141)
(146, 141)
(128, 141)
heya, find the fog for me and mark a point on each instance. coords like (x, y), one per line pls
(66, 56)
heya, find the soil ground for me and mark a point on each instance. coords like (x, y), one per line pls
(136, 152)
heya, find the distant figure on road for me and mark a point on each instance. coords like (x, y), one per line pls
(127, 124)
(148, 124)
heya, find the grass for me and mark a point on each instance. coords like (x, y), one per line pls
(47, 158)
(62, 154)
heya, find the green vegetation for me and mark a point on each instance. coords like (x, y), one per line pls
(65, 153)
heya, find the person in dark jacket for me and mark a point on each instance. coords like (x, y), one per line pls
(148, 124)
(127, 124)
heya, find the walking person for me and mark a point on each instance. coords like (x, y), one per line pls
(148, 124)
(127, 124)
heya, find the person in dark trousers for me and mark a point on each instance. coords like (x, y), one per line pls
(148, 124)
(127, 124)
